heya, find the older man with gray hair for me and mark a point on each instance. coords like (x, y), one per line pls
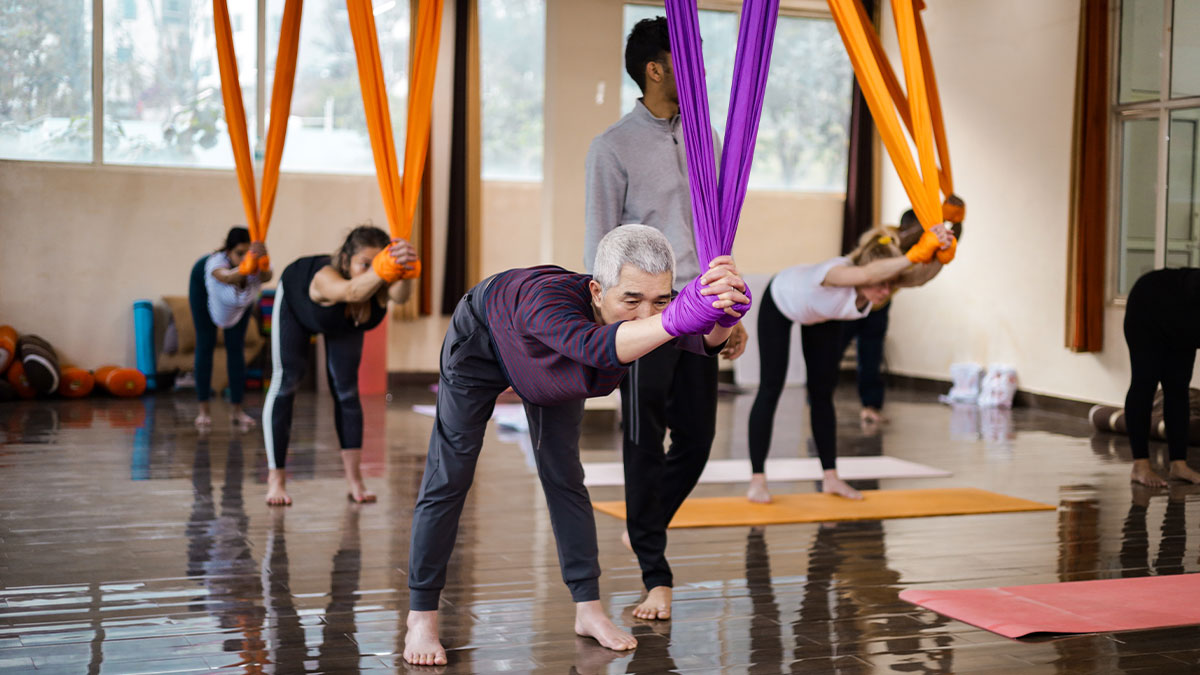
(556, 338)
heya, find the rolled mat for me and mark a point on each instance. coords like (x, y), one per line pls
(16, 378)
(1112, 419)
(819, 508)
(1073, 607)
(76, 383)
(8, 346)
(125, 382)
(41, 364)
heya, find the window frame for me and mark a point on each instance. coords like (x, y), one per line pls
(1160, 110)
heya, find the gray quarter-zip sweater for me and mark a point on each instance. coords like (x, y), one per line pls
(637, 173)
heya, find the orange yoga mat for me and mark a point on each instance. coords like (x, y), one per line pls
(1074, 607)
(819, 508)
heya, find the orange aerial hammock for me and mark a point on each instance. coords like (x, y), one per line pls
(235, 116)
(399, 190)
(920, 111)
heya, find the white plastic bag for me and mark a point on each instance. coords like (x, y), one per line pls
(964, 378)
(999, 386)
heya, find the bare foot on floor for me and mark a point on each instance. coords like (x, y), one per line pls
(625, 541)
(359, 494)
(352, 464)
(242, 421)
(1142, 473)
(276, 493)
(758, 492)
(833, 485)
(657, 604)
(591, 621)
(203, 422)
(421, 644)
(872, 416)
(591, 659)
(1181, 471)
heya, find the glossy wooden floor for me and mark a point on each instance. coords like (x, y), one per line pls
(131, 544)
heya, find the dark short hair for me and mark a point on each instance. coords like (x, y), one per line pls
(648, 41)
(236, 236)
(363, 236)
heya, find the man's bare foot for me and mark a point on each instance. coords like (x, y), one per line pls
(352, 464)
(591, 659)
(1142, 473)
(1181, 471)
(758, 492)
(832, 485)
(657, 604)
(591, 621)
(421, 644)
(242, 421)
(203, 422)
(625, 541)
(276, 493)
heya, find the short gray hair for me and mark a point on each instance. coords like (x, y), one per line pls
(642, 246)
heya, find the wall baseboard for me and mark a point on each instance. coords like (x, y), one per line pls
(925, 385)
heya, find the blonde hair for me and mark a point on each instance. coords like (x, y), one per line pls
(876, 244)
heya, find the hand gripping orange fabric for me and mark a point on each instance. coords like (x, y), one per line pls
(925, 248)
(920, 110)
(399, 191)
(258, 220)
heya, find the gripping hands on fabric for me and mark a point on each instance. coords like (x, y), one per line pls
(256, 260)
(935, 241)
(719, 296)
(396, 262)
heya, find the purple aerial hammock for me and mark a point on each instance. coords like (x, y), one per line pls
(717, 203)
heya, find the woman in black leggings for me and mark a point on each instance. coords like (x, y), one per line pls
(821, 298)
(341, 297)
(1162, 329)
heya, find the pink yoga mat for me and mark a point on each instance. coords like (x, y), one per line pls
(1073, 607)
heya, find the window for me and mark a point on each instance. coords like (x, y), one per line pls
(512, 45)
(1157, 115)
(162, 85)
(327, 129)
(46, 80)
(804, 132)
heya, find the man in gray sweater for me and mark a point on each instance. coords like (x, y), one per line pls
(637, 173)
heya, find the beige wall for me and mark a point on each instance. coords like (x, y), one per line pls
(1006, 72)
(132, 232)
(78, 244)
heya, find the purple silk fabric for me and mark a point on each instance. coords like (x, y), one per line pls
(717, 203)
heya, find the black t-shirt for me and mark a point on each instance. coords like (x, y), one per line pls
(332, 320)
(1165, 304)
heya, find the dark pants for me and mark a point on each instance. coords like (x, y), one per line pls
(871, 330)
(470, 380)
(1155, 357)
(667, 388)
(822, 346)
(289, 353)
(206, 341)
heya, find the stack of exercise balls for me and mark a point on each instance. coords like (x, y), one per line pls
(29, 368)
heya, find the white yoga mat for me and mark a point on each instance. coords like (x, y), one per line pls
(601, 474)
(508, 415)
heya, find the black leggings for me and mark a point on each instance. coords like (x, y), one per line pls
(1153, 358)
(289, 353)
(822, 346)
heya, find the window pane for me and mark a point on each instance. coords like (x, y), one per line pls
(804, 134)
(1185, 49)
(327, 129)
(512, 42)
(46, 80)
(1141, 50)
(719, 33)
(1139, 171)
(1182, 186)
(162, 83)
